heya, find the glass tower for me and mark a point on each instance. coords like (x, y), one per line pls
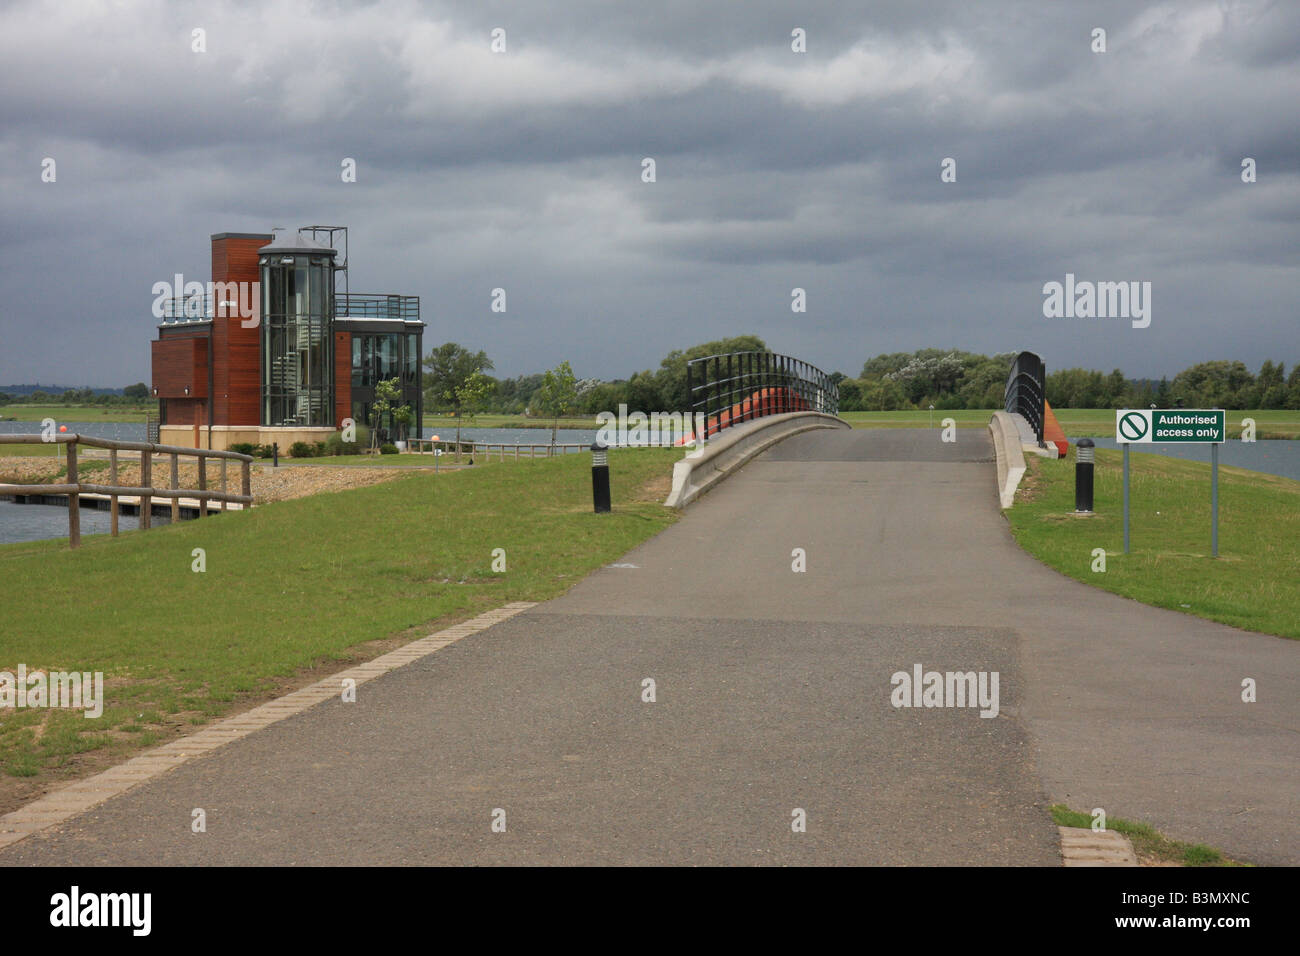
(297, 278)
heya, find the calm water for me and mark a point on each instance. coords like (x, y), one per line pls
(1274, 457)
(35, 522)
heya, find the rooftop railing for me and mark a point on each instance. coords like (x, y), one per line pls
(358, 305)
(179, 310)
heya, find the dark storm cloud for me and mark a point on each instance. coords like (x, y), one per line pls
(775, 170)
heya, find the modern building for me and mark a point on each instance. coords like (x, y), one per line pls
(275, 348)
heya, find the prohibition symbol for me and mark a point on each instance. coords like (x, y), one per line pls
(1133, 426)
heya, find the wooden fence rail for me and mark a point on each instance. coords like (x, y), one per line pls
(73, 487)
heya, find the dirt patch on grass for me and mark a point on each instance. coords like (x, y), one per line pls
(1030, 487)
(266, 483)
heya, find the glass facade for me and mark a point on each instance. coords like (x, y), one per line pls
(380, 356)
(297, 350)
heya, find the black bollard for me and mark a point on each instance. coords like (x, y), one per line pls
(275, 454)
(1083, 460)
(599, 477)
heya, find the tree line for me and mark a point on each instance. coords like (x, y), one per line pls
(946, 379)
(131, 395)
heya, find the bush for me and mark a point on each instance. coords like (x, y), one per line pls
(265, 451)
(320, 448)
(335, 445)
(244, 448)
(388, 449)
(302, 449)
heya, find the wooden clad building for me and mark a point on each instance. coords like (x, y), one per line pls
(271, 350)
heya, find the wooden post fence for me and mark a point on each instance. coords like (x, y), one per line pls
(73, 487)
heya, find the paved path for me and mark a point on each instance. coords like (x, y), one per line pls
(772, 694)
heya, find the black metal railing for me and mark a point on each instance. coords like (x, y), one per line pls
(1026, 390)
(725, 390)
(201, 308)
(359, 305)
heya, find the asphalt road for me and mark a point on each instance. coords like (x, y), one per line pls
(772, 693)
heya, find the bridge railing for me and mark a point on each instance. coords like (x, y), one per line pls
(736, 387)
(1026, 391)
(73, 487)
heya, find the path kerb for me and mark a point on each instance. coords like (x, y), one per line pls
(1010, 456)
(76, 798)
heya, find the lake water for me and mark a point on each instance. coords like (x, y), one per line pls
(33, 522)
(1274, 457)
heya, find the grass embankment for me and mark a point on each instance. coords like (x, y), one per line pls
(1077, 422)
(80, 413)
(291, 587)
(1152, 847)
(1253, 584)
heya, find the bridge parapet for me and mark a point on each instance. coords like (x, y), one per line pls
(715, 460)
(737, 387)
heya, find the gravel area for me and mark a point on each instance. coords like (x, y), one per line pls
(268, 484)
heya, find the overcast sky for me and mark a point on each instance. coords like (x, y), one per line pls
(774, 170)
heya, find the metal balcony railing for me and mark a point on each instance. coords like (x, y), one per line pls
(363, 306)
(201, 308)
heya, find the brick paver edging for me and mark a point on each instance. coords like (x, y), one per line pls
(1082, 847)
(55, 807)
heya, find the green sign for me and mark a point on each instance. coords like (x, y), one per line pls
(1160, 425)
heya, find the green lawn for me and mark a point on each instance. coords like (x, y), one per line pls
(295, 585)
(80, 413)
(1253, 584)
(1077, 422)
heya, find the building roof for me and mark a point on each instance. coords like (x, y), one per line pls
(297, 244)
(241, 235)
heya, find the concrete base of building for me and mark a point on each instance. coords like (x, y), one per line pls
(223, 436)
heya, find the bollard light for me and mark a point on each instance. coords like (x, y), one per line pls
(275, 454)
(1083, 461)
(600, 476)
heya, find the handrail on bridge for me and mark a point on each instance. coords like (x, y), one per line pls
(73, 487)
(735, 387)
(1026, 391)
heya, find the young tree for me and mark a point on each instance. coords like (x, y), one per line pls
(454, 378)
(387, 393)
(558, 394)
(469, 396)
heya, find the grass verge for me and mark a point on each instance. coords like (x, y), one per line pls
(291, 591)
(79, 413)
(1152, 847)
(1253, 584)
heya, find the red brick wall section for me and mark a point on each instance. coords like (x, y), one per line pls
(236, 350)
(342, 377)
(178, 364)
